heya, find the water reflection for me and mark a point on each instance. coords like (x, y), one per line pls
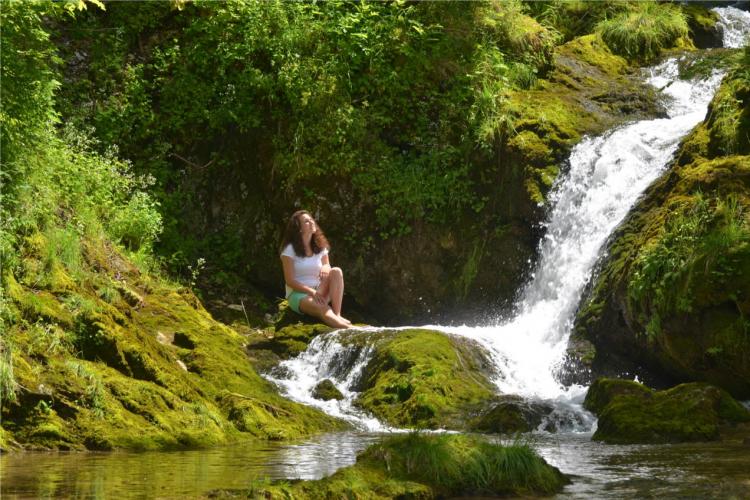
(176, 474)
(688, 470)
(696, 470)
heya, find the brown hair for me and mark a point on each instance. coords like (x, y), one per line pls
(293, 235)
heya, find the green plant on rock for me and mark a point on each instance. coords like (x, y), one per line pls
(644, 29)
(696, 248)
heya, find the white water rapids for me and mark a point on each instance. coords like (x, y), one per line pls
(606, 176)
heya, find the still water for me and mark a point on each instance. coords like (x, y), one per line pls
(705, 470)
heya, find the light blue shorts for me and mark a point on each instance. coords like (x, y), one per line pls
(294, 300)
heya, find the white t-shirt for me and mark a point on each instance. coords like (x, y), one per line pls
(306, 269)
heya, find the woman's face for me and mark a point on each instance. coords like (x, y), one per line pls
(307, 226)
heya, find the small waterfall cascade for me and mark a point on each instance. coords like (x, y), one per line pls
(606, 176)
(735, 26)
(329, 357)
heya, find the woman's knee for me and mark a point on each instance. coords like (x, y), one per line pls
(336, 272)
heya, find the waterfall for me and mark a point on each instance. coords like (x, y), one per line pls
(606, 176)
(735, 26)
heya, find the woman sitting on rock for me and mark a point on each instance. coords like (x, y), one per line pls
(311, 282)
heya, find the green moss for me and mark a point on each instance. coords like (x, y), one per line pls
(687, 412)
(152, 371)
(424, 379)
(592, 50)
(429, 466)
(604, 390)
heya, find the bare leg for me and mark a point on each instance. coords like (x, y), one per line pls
(336, 289)
(324, 313)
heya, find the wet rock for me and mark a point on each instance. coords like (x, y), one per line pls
(288, 341)
(510, 414)
(703, 22)
(326, 391)
(630, 413)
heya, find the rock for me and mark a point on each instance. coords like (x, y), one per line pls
(629, 413)
(288, 341)
(703, 23)
(511, 414)
(424, 379)
(326, 391)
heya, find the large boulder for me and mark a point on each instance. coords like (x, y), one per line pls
(632, 413)
(511, 414)
(425, 379)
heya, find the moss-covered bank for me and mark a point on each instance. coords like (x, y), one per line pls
(426, 466)
(632, 413)
(672, 298)
(113, 357)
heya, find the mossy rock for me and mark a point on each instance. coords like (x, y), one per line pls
(326, 390)
(426, 466)
(152, 370)
(688, 412)
(511, 414)
(425, 379)
(703, 23)
(604, 390)
(289, 341)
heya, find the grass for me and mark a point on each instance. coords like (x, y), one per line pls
(7, 380)
(695, 248)
(459, 464)
(644, 30)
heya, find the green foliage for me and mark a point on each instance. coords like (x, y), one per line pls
(366, 97)
(698, 246)
(7, 380)
(29, 82)
(572, 18)
(644, 29)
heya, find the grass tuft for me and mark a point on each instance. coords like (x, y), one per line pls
(644, 30)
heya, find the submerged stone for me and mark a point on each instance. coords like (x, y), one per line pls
(631, 413)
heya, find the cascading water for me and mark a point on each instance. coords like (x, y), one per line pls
(735, 26)
(607, 174)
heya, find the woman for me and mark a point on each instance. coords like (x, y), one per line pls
(311, 282)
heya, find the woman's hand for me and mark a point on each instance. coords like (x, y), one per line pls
(319, 298)
(324, 272)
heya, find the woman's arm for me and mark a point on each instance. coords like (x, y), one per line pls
(324, 271)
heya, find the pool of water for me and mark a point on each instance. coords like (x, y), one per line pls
(645, 471)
